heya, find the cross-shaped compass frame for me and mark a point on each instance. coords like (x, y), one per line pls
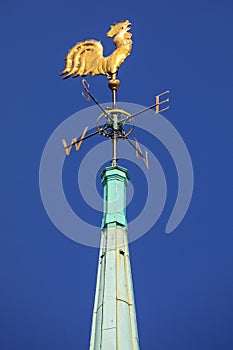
(119, 124)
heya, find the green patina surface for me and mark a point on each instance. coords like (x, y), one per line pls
(114, 323)
(114, 180)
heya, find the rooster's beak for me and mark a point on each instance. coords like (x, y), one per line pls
(129, 26)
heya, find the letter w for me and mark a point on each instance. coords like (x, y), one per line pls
(75, 142)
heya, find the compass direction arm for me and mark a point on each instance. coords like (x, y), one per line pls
(82, 139)
(138, 113)
(89, 96)
(101, 128)
(155, 105)
(78, 143)
(139, 151)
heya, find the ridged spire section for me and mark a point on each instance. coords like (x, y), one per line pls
(114, 325)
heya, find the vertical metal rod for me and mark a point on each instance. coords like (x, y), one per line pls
(114, 85)
(114, 149)
(114, 98)
(115, 136)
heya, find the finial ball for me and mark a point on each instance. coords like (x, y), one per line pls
(114, 84)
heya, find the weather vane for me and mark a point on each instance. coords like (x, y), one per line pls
(114, 323)
(86, 58)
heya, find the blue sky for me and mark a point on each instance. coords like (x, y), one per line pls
(183, 281)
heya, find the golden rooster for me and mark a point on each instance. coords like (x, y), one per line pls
(86, 57)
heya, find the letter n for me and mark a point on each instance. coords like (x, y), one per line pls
(139, 151)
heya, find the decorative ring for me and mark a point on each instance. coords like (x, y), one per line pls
(121, 132)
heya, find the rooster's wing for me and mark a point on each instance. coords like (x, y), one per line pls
(84, 58)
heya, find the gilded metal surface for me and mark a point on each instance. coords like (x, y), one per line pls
(74, 142)
(158, 102)
(86, 57)
(114, 84)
